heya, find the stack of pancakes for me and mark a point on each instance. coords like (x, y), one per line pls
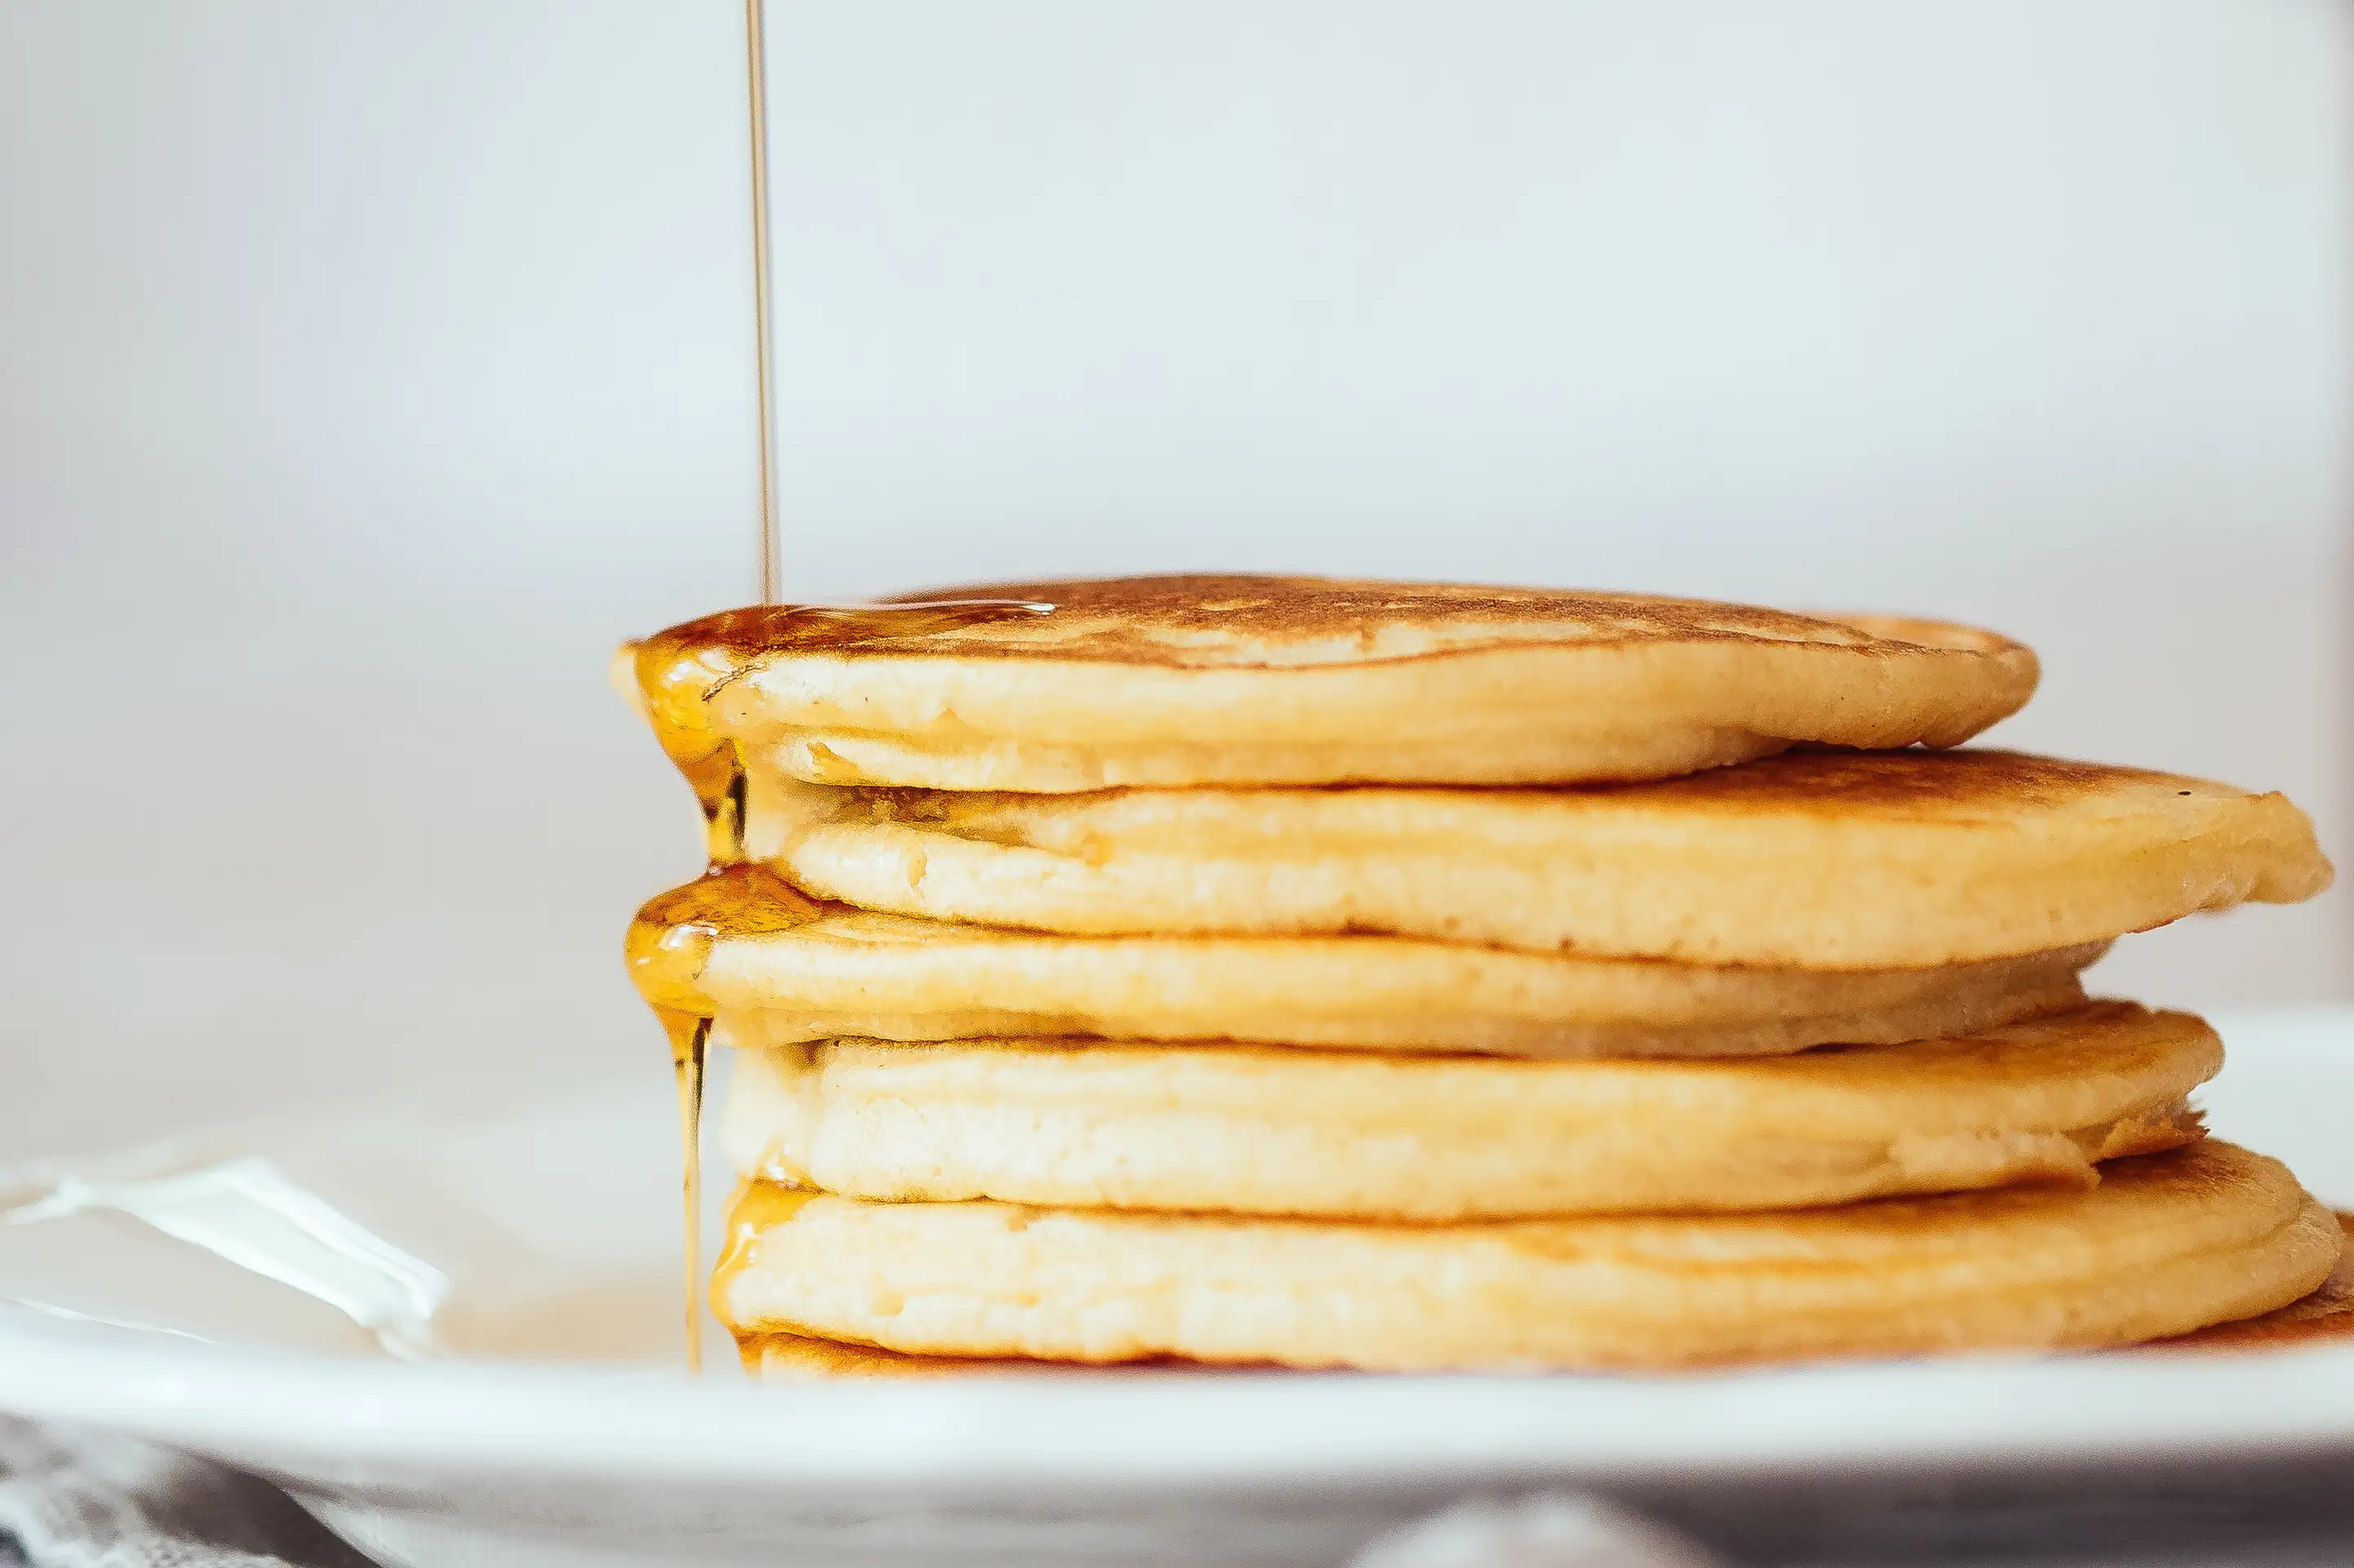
(1406, 977)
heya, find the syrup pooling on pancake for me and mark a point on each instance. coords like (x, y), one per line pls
(671, 939)
(679, 670)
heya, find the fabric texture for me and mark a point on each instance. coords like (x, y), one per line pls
(83, 1501)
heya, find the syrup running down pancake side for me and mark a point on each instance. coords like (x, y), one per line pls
(677, 672)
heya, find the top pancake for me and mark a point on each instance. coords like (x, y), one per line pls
(1183, 681)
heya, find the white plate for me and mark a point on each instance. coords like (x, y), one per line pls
(477, 1236)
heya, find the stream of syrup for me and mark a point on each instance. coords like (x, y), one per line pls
(679, 671)
(669, 941)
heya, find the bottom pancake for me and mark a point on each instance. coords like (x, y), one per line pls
(2323, 1317)
(2165, 1245)
(2326, 1315)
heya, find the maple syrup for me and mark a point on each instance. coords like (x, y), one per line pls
(690, 1040)
(679, 670)
(754, 1207)
(669, 943)
(669, 940)
(756, 93)
(682, 669)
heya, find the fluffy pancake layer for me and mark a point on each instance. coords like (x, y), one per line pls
(1808, 860)
(1183, 681)
(785, 970)
(2165, 1245)
(2326, 1316)
(1255, 1130)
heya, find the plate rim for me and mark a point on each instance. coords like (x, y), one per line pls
(330, 1420)
(308, 1415)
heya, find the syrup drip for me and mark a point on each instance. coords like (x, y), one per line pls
(682, 669)
(669, 941)
(754, 1207)
(690, 1038)
(669, 945)
(678, 671)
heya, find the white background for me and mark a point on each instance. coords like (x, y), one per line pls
(367, 369)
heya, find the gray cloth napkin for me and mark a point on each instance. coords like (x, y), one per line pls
(73, 1499)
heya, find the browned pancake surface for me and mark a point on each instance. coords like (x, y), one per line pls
(1975, 787)
(1234, 621)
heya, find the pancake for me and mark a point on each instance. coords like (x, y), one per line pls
(2165, 1245)
(1183, 681)
(2324, 1316)
(1257, 1131)
(780, 969)
(787, 1356)
(1822, 861)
